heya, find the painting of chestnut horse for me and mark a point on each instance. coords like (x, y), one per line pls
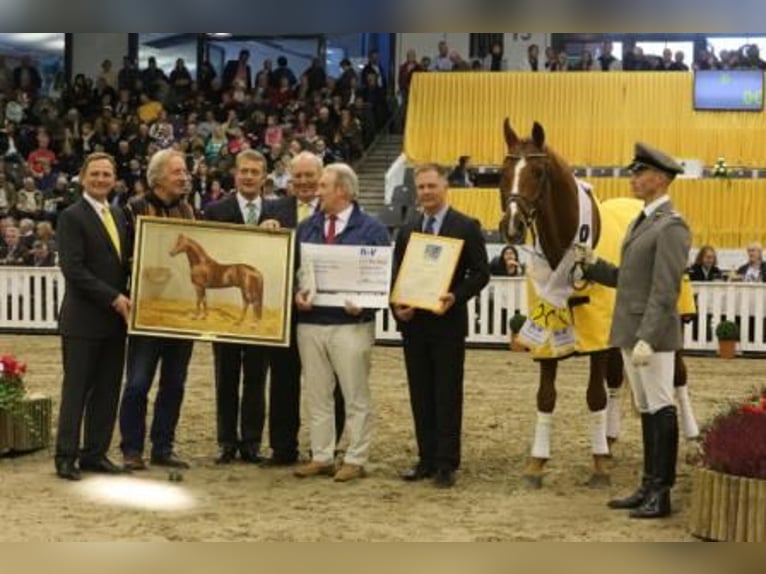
(207, 273)
(543, 201)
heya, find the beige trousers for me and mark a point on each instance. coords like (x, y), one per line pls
(345, 350)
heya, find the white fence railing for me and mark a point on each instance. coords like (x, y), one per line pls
(30, 299)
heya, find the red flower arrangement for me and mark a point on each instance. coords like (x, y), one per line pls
(11, 382)
(735, 441)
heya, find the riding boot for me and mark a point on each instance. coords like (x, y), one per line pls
(637, 498)
(657, 502)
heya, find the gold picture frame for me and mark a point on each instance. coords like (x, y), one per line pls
(212, 281)
(426, 272)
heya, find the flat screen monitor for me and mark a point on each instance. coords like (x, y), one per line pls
(733, 90)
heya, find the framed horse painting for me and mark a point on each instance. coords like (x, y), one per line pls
(212, 281)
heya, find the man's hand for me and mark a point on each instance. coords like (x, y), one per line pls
(352, 309)
(121, 305)
(303, 300)
(447, 300)
(404, 313)
(642, 354)
(270, 225)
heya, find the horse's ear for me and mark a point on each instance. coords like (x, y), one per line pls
(538, 135)
(511, 139)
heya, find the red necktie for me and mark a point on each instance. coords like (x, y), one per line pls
(330, 237)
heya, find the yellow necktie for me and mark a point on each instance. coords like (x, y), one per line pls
(304, 210)
(111, 228)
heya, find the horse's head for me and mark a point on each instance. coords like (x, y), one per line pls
(182, 244)
(524, 180)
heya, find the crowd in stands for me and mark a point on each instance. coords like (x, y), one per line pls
(131, 113)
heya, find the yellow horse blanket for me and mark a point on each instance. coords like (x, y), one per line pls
(591, 308)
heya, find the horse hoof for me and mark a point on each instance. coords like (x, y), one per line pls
(532, 481)
(599, 481)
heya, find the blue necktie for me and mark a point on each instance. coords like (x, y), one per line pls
(431, 225)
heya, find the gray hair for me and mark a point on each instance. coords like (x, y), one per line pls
(307, 155)
(345, 177)
(158, 164)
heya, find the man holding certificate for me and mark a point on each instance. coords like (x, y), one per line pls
(333, 339)
(440, 263)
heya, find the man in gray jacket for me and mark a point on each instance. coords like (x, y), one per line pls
(646, 325)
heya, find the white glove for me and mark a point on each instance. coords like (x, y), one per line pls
(584, 254)
(642, 354)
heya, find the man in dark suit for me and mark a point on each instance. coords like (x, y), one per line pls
(646, 325)
(93, 248)
(305, 170)
(238, 71)
(434, 342)
(233, 360)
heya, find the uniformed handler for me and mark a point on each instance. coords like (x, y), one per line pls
(646, 324)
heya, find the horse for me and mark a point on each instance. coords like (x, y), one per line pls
(542, 198)
(207, 273)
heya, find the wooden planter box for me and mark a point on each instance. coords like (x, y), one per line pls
(728, 508)
(28, 430)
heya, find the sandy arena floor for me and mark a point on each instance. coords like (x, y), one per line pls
(247, 503)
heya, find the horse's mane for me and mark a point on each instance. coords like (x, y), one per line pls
(554, 239)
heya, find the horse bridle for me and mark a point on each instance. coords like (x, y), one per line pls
(528, 207)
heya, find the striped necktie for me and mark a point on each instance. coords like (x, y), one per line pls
(111, 229)
(430, 225)
(252, 213)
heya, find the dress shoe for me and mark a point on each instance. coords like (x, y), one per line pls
(227, 455)
(349, 472)
(250, 454)
(633, 501)
(67, 469)
(417, 472)
(315, 469)
(133, 462)
(101, 465)
(444, 478)
(168, 460)
(656, 505)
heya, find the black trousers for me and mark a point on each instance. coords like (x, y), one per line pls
(247, 364)
(435, 377)
(90, 394)
(285, 402)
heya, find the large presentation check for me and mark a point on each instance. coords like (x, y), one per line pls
(337, 274)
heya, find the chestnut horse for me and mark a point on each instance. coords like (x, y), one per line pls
(541, 198)
(207, 273)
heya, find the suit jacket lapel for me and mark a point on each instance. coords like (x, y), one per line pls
(236, 212)
(633, 234)
(98, 224)
(447, 222)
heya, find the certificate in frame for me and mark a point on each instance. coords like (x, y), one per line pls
(426, 272)
(212, 281)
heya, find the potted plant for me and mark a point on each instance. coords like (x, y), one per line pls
(727, 333)
(729, 490)
(515, 325)
(25, 420)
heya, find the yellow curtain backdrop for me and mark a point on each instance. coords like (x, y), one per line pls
(590, 118)
(722, 213)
